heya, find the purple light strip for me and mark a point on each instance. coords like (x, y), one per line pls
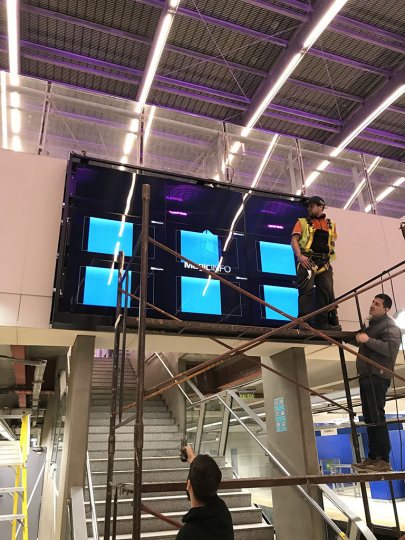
(173, 198)
(177, 213)
(275, 226)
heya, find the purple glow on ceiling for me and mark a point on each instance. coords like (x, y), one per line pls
(177, 213)
(173, 198)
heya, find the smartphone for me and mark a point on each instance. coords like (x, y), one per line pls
(183, 451)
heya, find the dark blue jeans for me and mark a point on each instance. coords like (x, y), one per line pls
(373, 403)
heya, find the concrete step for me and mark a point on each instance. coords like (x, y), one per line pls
(129, 436)
(152, 404)
(159, 428)
(259, 531)
(248, 515)
(106, 409)
(155, 446)
(104, 420)
(148, 463)
(128, 453)
(151, 476)
(178, 503)
(99, 492)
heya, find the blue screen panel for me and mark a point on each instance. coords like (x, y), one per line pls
(203, 248)
(277, 258)
(98, 291)
(193, 299)
(284, 298)
(104, 235)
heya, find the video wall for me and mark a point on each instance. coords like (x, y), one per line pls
(244, 236)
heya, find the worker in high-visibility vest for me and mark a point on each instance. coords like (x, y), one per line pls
(313, 241)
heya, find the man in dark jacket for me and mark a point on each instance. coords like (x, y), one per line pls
(209, 517)
(379, 342)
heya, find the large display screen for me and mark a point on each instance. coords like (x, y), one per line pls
(242, 235)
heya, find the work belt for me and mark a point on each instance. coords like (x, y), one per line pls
(323, 263)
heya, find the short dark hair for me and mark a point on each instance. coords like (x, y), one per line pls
(205, 477)
(387, 301)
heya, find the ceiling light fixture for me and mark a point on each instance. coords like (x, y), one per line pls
(148, 126)
(334, 8)
(324, 23)
(15, 116)
(372, 116)
(386, 192)
(361, 185)
(13, 40)
(16, 143)
(156, 55)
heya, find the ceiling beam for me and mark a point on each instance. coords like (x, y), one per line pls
(178, 87)
(342, 25)
(370, 105)
(284, 61)
(191, 14)
(18, 351)
(187, 52)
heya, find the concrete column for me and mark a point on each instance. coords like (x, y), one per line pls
(73, 461)
(291, 438)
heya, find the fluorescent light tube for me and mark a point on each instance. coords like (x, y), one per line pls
(13, 41)
(372, 116)
(316, 173)
(293, 63)
(15, 121)
(265, 160)
(134, 125)
(156, 55)
(129, 142)
(15, 100)
(16, 143)
(361, 185)
(148, 126)
(324, 22)
(386, 192)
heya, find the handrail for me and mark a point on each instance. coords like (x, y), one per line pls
(352, 517)
(171, 375)
(91, 497)
(78, 515)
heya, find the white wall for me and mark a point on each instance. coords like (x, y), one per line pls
(31, 190)
(366, 245)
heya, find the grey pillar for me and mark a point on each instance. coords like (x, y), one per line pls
(73, 461)
(291, 438)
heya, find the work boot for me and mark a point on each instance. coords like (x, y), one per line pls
(379, 465)
(361, 467)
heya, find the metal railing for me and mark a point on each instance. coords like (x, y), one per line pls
(121, 326)
(91, 498)
(355, 523)
(77, 515)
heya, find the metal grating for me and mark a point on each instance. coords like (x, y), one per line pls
(193, 74)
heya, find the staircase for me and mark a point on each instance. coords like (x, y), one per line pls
(161, 463)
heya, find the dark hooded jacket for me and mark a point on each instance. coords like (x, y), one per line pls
(210, 522)
(382, 347)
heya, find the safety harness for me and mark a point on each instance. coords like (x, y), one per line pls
(306, 240)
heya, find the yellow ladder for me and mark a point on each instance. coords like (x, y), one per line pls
(14, 454)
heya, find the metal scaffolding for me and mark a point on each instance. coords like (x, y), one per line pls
(123, 322)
